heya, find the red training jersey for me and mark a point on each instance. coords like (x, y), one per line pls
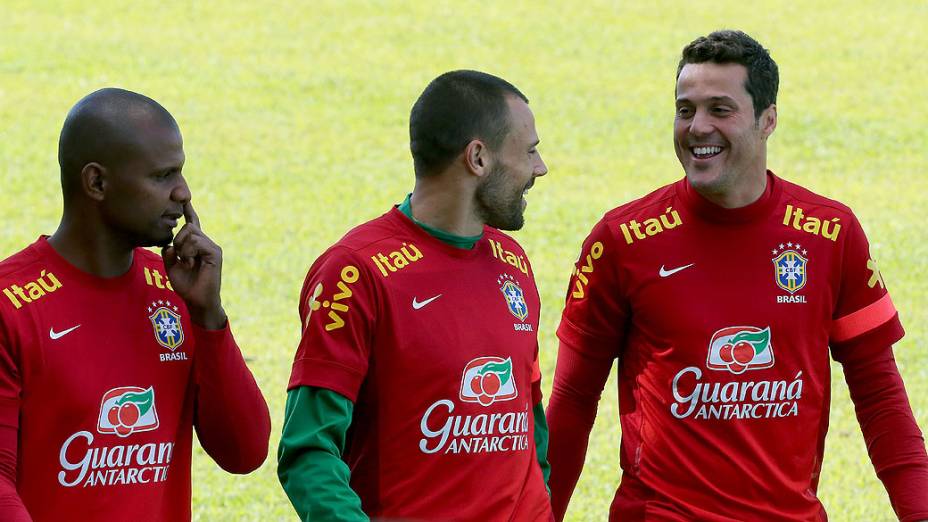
(437, 348)
(721, 321)
(101, 378)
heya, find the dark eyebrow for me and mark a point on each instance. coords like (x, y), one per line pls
(723, 99)
(533, 145)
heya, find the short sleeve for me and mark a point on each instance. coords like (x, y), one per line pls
(337, 310)
(596, 310)
(864, 308)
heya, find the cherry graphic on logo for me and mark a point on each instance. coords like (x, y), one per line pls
(491, 383)
(743, 352)
(129, 414)
(475, 385)
(112, 415)
(726, 353)
(486, 400)
(736, 368)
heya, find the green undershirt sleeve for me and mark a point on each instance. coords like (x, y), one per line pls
(309, 458)
(541, 442)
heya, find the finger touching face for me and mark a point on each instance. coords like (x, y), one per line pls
(190, 215)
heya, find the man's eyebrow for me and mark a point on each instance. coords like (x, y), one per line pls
(725, 99)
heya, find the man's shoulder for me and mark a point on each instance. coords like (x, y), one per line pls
(799, 196)
(653, 206)
(502, 239)
(367, 236)
(382, 234)
(647, 206)
(19, 264)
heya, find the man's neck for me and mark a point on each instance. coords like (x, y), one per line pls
(739, 196)
(99, 254)
(448, 208)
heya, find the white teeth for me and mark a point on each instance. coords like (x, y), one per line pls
(705, 151)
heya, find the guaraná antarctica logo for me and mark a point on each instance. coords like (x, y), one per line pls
(126, 410)
(736, 349)
(165, 320)
(87, 461)
(740, 348)
(487, 380)
(502, 429)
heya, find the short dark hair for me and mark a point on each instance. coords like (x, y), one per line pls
(729, 46)
(455, 108)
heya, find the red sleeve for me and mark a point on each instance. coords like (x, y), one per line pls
(337, 307)
(536, 379)
(231, 416)
(894, 442)
(590, 332)
(863, 304)
(11, 506)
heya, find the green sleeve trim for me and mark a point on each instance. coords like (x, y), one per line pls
(309, 458)
(541, 442)
(463, 242)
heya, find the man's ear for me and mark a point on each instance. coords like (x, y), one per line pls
(477, 158)
(94, 180)
(768, 121)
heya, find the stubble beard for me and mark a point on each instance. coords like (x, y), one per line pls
(496, 206)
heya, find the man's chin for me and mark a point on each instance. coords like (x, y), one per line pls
(512, 222)
(705, 181)
(155, 241)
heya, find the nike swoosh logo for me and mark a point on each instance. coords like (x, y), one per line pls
(666, 273)
(58, 335)
(419, 304)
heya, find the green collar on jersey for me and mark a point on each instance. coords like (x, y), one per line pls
(463, 242)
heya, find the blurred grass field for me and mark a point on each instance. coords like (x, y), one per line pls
(295, 123)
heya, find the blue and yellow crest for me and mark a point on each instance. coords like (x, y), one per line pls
(167, 325)
(515, 299)
(790, 270)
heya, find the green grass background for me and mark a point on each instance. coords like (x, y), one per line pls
(295, 123)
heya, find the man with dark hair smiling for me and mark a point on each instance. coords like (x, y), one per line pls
(415, 393)
(110, 355)
(721, 296)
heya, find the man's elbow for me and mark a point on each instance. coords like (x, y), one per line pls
(245, 460)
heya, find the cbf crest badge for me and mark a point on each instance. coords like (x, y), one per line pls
(166, 323)
(515, 299)
(790, 267)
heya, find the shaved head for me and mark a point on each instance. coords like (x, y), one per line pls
(106, 127)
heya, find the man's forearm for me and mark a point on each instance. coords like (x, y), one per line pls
(227, 394)
(11, 506)
(309, 463)
(541, 442)
(578, 385)
(894, 441)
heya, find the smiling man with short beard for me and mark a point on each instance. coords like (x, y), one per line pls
(415, 392)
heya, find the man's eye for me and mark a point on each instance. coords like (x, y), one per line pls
(683, 112)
